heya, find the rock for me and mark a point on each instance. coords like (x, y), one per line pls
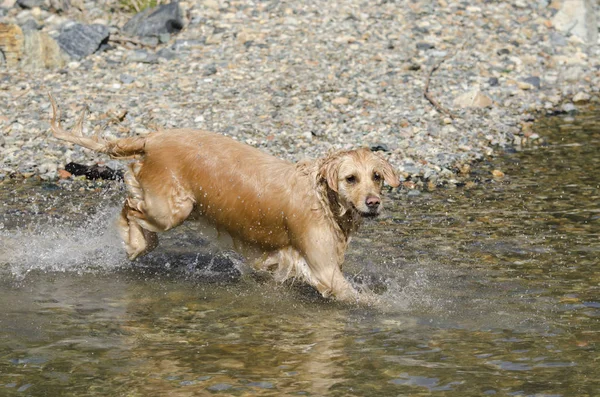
(219, 387)
(41, 51)
(64, 174)
(156, 21)
(578, 17)
(493, 82)
(473, 99)
(209, 70)
(424, 46)
(60, 5)
(80, 40)
(149, 41)
(142, 56)
(166, 53)
(29, 24)
(534, 81)
(497, 174)
(11, 44)
(568, 108)
(581, 98)
(29, 4)
(558, 39)
(340, 101)
(126, 78)
(379, 147)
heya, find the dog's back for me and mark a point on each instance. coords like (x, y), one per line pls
(238, 188)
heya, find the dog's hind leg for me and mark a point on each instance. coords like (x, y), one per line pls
(138, 240)
(149, 209)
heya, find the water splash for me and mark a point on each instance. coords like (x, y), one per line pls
(89, 245)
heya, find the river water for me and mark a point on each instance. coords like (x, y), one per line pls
(491, 288)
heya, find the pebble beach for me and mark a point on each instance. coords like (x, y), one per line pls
(300, 78)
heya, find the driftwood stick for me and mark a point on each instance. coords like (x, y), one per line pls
(430, 97)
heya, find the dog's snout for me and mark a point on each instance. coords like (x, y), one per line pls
(373, 202)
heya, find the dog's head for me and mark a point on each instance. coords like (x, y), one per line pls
(356, 177)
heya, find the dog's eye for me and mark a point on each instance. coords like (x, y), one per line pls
(351, 179)
(376, 176)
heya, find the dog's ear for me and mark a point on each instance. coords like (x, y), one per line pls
(328, 172)
(389, 174)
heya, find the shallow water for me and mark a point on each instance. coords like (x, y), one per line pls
(488, 289)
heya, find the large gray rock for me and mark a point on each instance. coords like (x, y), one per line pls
(578, 17)
(80, 40)
(159, 20)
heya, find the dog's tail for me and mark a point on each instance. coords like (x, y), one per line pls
(118, 148)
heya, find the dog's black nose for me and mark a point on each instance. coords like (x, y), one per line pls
(372, 202)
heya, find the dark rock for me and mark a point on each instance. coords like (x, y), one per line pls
(209, 70)
(159, 20)
(534, 81)
(380, 147)
(493, 82)
(94, 172)
(29, 4)
(80, 40)
(503, 51)
(424, 46)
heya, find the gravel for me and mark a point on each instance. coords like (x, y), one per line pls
(299, 78)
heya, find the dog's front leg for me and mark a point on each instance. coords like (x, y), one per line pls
(324, 261)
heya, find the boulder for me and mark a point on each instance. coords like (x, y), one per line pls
(579, 18)
(166, 18)
(80, 40)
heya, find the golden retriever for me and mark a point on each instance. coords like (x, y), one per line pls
(294, 220)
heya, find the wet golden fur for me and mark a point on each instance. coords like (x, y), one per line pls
(294, 220)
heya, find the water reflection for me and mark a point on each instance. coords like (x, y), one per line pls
(487, 289)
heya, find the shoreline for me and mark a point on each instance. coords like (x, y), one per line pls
(299, 79)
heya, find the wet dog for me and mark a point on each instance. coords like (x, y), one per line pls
(294, 220)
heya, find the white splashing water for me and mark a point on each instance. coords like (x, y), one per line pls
(86, 246)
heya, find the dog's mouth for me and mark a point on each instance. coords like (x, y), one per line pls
(368, 214)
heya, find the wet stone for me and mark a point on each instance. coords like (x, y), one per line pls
(219, 387)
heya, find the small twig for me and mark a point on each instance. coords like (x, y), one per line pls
(430, 97)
